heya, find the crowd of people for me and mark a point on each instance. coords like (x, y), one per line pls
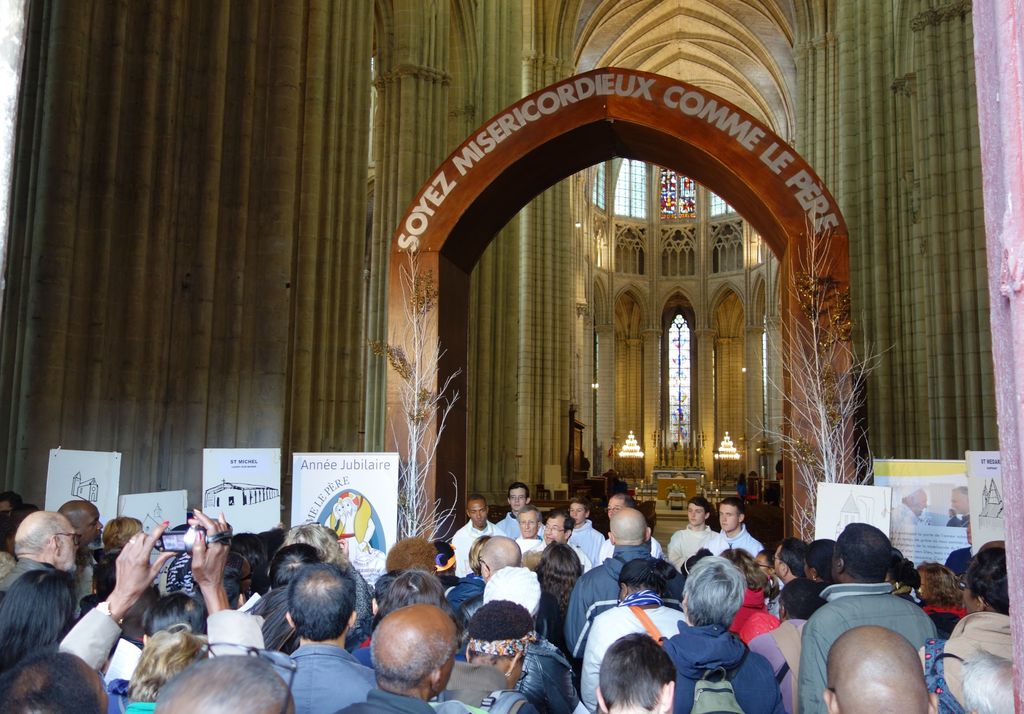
(539, 612)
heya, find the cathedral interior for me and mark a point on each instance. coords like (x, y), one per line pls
(204, 196)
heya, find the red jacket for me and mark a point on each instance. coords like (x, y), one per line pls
(753, 618)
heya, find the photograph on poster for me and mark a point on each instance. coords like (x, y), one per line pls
(244, 485)
(930, 507)
(92, 476)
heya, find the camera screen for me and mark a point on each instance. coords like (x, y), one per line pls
(173, 542)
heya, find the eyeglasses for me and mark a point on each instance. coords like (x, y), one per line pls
(278, 660)
(75, 538)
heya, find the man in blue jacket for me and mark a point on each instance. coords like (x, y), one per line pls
(321, 607)
(598, 589)
(712, 597)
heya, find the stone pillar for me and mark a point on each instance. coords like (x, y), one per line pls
(775, 403)
(706, 388)
(585, 377)
(188, 223)
(753, 394)
(487, 78)
(545, 273)
(651, 397)
(412, 81)
(605, 393)
(997, 48)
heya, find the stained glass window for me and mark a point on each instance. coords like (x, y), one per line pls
(678, 196)
(669, 193)
(631, 189)
(679, 381)
(598, 197)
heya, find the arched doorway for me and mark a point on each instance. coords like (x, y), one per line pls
(557, 131)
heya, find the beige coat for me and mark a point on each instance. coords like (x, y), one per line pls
(988, 631)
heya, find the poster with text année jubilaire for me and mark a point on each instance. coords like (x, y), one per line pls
(244, 485)
(92, 476)
(356, 496)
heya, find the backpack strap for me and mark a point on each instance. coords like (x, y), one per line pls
(783, 671)
(648, 624)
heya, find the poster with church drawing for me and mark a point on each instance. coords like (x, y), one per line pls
(244, 485)
(155, 508)
(840, 504)
(985, 490)
(93, 476)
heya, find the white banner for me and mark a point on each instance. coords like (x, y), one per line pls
(155, 508)
(244, 485)
(93, 476)
(356, 496)
(840, 504)
(985, 482)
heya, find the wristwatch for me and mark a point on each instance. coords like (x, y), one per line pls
(104, 607)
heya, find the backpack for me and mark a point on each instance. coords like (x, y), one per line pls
(935, 676)
(500, 701)
(716, 696)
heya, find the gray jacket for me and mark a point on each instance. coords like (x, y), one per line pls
(852, 605)
(328, 678)
(24, 565)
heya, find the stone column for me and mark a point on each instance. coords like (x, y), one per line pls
(997, 46)
(651, 397)
(753, 394)
(545, 273)
(412, 82)
(706, 388)
(605, 392)
(487, 79)
(187, 234)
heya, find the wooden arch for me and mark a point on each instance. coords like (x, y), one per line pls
(564, 128)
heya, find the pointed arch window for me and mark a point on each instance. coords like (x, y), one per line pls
(719, 207)
(598, 195)
(679, 381)
(631, 189)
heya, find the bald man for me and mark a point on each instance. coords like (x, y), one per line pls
(872, 669)
(44, 540)
(413, 655)
(85, 520)
(617, 503)
(598, 590)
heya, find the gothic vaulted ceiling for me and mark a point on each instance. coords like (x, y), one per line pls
(739, 49)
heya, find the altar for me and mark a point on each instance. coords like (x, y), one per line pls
(688, 483)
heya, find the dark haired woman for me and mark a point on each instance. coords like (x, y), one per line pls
(558, 571)
(642, 584)
(39, 609)
(987, 624)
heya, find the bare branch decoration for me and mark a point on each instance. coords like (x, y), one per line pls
(416, 361)
(824, 433)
